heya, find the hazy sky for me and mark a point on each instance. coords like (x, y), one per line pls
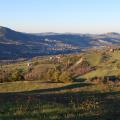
(80, 16)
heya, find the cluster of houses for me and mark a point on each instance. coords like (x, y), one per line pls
(55, 58)
(113, 48)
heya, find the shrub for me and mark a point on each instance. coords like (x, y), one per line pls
(66, 76)
(4, 76)
(36, 63)
(56, 75)
(18, 74)
(38, 73)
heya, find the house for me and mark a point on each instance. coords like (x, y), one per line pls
(29, 65)
(114, 48)
(55, 58)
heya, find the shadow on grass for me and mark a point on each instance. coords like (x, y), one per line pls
(57, 89)
(79, 80)
(62, 98)
(110, 106)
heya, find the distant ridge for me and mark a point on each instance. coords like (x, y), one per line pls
(14, 45)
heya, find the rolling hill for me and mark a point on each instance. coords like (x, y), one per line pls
(14, 45)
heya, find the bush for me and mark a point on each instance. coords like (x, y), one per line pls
(38, 73)
(1, 76)
(4, 76)
(66, 76)
(18, 74)
(49, 74)
(56, 75)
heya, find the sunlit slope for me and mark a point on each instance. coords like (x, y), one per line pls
(106, 64)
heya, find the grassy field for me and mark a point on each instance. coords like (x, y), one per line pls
(46, 101)
(26, 86)
(106, 65)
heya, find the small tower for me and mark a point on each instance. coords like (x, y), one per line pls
(29, 65)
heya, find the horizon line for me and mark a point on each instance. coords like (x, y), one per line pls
(57, 32)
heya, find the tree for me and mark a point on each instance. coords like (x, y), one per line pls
(18, 74)
(56, 75)
(66, 76)
(49, 75)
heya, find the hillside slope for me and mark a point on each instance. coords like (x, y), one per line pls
(85, 65)
(14, 45)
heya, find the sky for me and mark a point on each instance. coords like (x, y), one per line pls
(76, 16)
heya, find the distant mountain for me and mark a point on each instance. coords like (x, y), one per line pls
(14, 45)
